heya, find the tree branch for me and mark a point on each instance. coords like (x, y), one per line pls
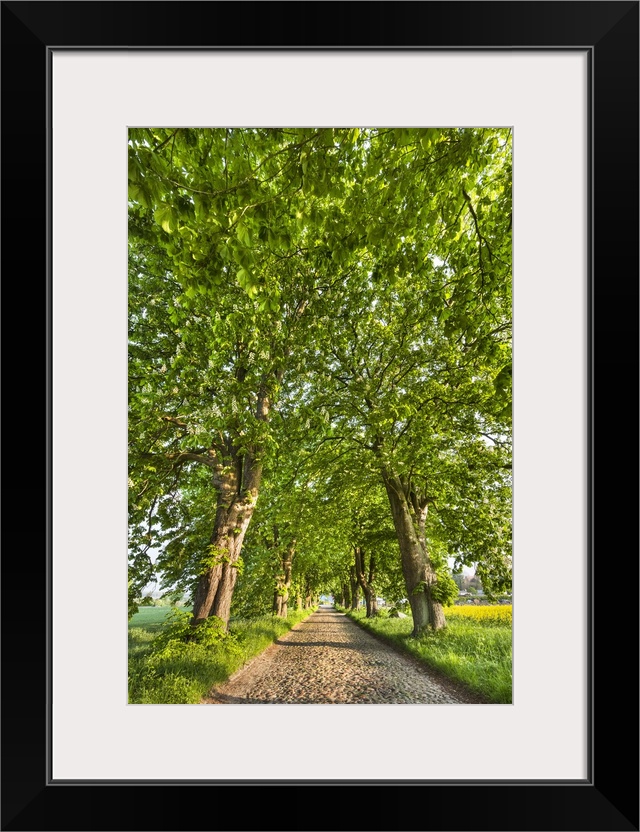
(166, 141)
(196, 455)
(481, 238)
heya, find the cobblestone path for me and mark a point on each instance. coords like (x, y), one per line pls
(329, 658)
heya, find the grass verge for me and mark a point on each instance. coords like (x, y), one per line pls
(471, 650)
(166, 670)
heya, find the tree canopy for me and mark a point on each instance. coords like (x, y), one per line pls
(320, 362)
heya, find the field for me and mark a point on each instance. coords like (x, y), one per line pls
(148, 619)
(474, 649)
(165, 670)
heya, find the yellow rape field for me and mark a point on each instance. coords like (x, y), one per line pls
(495, 614)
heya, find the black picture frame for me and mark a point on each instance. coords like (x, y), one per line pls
(608, 798)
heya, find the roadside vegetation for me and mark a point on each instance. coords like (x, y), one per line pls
(170, 662)
(474, 648)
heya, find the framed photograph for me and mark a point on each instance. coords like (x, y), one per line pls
(564, 78)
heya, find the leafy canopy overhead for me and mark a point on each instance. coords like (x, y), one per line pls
(359, 280)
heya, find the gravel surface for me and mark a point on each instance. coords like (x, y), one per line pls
(329, 658)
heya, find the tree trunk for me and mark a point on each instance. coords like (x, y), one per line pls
(355, 595)
(214, 590)
(346, 596)
(308, 593)
(365, 583)
(371, 602)
(237, 487)
(222, 601)
(281, 598)
(436, 613)
(409, 516)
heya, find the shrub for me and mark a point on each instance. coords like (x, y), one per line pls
(179, 629)
(445, 590)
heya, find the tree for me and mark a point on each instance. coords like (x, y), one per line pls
(220, 276)
(416, 364)
(350, 283)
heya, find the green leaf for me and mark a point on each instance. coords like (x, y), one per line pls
(502, 381)
(242, 233)
(134, 171)
(165, 217)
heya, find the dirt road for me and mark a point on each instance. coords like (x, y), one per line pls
(329, 658)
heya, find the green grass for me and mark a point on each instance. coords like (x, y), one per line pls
(150, 618)
(144, 626)
(475, 653)
(181, 673)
